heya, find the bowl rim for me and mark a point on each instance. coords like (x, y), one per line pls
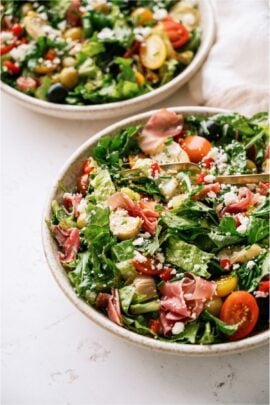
(135, 102)
(59, 274)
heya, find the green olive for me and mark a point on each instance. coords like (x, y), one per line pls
(214, 305)
(75, 33)
(68, 61)
(69, 77)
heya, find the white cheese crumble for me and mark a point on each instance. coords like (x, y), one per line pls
(139, 257)
(211, 195)
(188, 19)
(261, 294)
(160, 14)
(250, 264)
(160, 257)
(209, 178)
(141, 33)
(178, 327)
(168, 187)
(62, 25)
(244, 223)
(230, 198)
(138, 242)
(236, 266)
(105, 33)
(20, 52)
(82, 206)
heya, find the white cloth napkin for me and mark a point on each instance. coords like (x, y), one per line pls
(236, 73)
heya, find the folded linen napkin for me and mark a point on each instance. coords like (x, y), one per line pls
(236, 72)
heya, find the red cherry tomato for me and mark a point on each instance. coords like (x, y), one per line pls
(87, 166)
(240, 307)
(176, 31)
(4, 49)
(26, 83)
(17, 29)
(264, 286)
(155, 326)
(155, 168)
(196, 147)
(83, 183)
(12, 67)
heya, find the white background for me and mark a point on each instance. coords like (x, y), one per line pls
(52, 354)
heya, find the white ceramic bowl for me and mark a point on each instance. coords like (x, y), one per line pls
(67, 178)
(127, 107)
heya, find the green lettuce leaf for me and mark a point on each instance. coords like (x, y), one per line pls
(187, 257)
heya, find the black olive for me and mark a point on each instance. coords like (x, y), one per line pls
(210, 130)
(57, 93)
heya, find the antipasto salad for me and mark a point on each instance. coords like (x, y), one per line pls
(179, 257)
(83, 52)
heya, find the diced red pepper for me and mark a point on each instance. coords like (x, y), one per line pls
(155, 326)
(200, 178)
(50, 55)
(225, 263)
(12, 67)
(263, 188)
(155, 168)
(17, 29)
(208, 162)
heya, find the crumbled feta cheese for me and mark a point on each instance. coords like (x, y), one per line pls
(244, 223)
(160, 14)
(250, 264)
(211, 195)
(105, 33)
(138, 242)
(160, 257)
(230, 198)
(236, 266)
(139, 257)
(159, 266)
(82, 206)
(188, 19)
(178, 327)
(141, 33)
(44, 16)
(75, 49)
(62, 25)
(209, 178)
(21, 51)
(261, 294)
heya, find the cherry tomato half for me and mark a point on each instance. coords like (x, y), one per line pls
(196, 147)
(17, 29)
(6, 48)
(176, 31)
(264, 286)
(12, 68)
(155, 326)
(240, 307)
(87, 166)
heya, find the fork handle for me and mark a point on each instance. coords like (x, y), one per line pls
(244, 178)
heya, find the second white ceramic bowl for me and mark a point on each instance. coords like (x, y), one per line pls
(126, 107)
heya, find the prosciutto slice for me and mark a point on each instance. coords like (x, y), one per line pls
(143, 209)
(112, 304)
(72, 201)
(162, 125)
(69, 241)
(184, 300)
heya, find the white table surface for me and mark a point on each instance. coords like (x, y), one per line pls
(51, 353)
